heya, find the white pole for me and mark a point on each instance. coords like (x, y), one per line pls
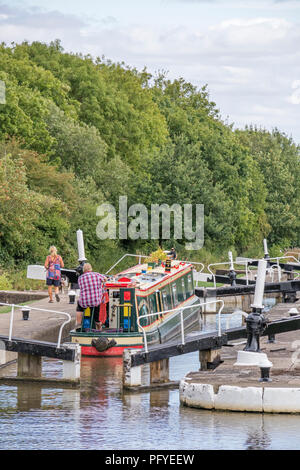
(11, 322)
(80, 244)
(231, 260)
(265, 247)
(182, 327)
(260, 284)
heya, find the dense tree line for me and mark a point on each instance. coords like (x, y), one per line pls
(76, 132)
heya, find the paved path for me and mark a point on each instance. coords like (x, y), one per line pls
(41, 325)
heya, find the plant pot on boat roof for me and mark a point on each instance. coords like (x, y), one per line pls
(156, 258)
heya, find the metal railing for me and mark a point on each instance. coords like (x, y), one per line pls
(293, 253)
(277, 266)
(272, 269)
(247, 271)
(144, 256)
(240, 263)
(124, 256)
(23, 307)
(195, 262)
(180, 311)
(277, 258)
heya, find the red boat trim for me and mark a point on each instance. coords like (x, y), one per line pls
(114, 351)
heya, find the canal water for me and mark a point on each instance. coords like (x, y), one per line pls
(100, 416)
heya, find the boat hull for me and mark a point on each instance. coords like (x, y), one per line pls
(167, 330)
(122, 341)
(115, 351)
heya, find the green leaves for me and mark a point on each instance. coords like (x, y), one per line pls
(277, 159)
(76, 132)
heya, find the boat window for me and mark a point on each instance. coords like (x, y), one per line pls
(174, 290)
(151, 304)
(144, 311)
(190, 284)
(165, 300)
(152, 308)
(183, 288)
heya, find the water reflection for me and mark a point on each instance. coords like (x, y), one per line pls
(100, 416)
(29, 397)
(257, 441)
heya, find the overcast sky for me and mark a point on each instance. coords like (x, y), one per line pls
(247, 52)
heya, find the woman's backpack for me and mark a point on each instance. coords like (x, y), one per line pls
(53, 271)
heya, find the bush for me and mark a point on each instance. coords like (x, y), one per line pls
(20, 282)
(5, 282)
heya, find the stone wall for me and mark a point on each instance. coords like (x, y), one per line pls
(15, 297)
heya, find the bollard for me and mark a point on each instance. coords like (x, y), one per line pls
(25, 313)
(232, 278)
(72, 295)
(271, 339)
(293, 312)
(248, 359)
(232, 273)
(265, 374)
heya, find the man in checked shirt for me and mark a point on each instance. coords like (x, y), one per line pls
(91, 287)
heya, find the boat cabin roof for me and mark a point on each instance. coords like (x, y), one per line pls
(144, 277)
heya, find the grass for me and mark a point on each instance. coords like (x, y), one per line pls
(206, 284)
(4, 309)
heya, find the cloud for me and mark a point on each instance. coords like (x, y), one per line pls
(294, 98)
(36, 18)
(248, 63)
(245, 2)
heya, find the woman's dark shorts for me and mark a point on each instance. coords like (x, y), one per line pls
(53, 282)
(96, 310)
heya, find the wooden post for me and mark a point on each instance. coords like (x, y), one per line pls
(159, 371)
(209, 356)
(29, 365)
(3, 358)
(71, 369)
(132, 376)
(246, 303)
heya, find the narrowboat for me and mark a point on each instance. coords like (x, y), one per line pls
(144, 298)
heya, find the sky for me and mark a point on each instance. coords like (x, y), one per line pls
(247, 52)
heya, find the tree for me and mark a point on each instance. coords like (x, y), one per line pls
(277, 157)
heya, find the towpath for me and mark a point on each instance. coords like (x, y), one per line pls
(41, 325)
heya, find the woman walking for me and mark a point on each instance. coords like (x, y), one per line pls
(53, 264)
